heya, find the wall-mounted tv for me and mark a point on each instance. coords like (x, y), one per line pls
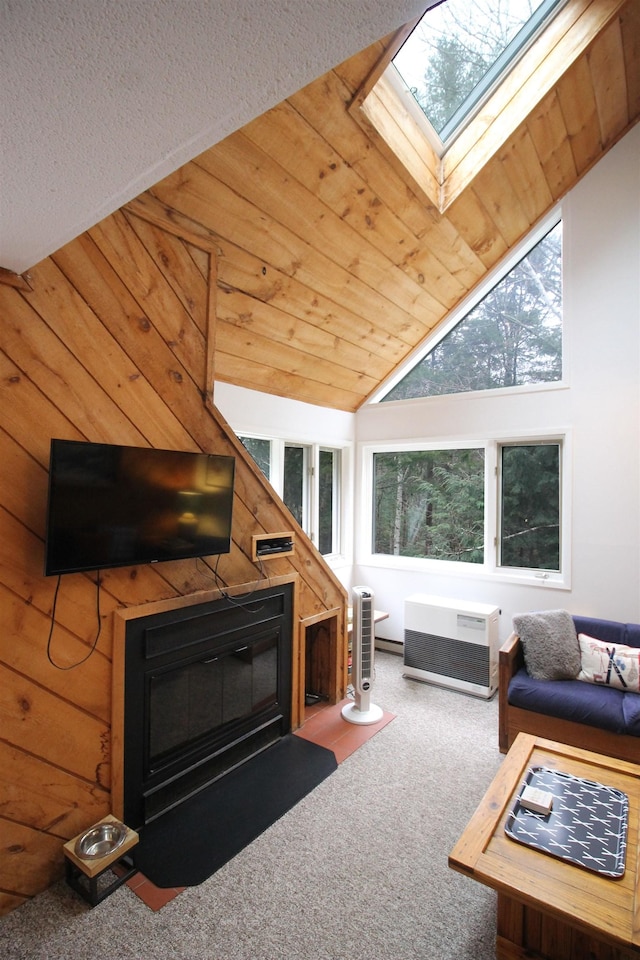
(116, 506)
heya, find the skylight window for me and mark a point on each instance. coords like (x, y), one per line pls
(461, 50)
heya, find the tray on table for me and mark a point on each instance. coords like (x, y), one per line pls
(587, 825)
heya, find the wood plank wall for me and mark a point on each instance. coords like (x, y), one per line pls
(336, 261)
(106, 342)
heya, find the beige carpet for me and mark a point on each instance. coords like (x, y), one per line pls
(358, 869)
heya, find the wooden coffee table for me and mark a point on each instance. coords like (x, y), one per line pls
(548, 908)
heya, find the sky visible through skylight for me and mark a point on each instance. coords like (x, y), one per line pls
(458, 46)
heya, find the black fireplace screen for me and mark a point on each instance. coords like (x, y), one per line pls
(206, 688)
(191, 701)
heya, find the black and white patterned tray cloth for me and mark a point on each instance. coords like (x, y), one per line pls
(587, 825)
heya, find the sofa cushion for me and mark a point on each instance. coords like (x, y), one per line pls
(549, 643)
(612, 664)
(631, 634)
(593, 704)
(610, 630)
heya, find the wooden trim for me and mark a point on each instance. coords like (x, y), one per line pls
(404, 142)
(210, 341)
(261, 537)
(566, 39)
(190, 600)
(17, 280)
(391, 48)
(154, 211)
(570, 34)
(338, 657)
(510, 659)
(117, 713)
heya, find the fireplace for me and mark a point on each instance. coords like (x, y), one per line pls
(206, 687)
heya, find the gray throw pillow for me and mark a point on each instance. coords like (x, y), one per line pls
(550, 644)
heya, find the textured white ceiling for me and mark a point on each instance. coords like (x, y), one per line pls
(102, 98)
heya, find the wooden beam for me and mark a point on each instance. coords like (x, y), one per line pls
(17, 280)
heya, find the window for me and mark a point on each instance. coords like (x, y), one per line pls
(260, 450)
(295, 491)
(496, 506)
(328, 502)
(430, 503)
(308, 478)
(530, 506)
(512, 337)
(460, 51)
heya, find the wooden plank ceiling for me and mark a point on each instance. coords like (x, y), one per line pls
(335, 259)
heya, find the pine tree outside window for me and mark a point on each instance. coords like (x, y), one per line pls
(496, 507)
(260, 450)
(430, 503)
(295, 492)
(512, 337)
(328, 500)
(530, 485)
(460, 51)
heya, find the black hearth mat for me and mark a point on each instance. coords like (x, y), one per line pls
(184, 846)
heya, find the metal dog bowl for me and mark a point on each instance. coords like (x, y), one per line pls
(101, 840)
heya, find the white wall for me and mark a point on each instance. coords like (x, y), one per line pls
(250, 413)
(260, 414)
(599, 406)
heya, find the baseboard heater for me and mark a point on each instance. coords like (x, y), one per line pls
(451, 643)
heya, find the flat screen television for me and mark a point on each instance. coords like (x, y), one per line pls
(116, 506)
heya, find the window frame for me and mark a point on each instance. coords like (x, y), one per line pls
(307, 468)
(498, 72)
(491, 568)
(500, 447)
(311, 479)
(492, 279)
(432, 448)
(337, 499)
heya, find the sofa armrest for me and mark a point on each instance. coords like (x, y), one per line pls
(511, 655)
(510, 659)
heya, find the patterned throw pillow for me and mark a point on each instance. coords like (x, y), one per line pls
(612, 664)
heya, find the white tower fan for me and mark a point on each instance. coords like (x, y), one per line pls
(363, 645)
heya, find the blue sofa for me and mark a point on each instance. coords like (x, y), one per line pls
(588, 715)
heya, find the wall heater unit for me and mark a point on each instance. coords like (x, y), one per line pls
(452, 643)
(362, 653)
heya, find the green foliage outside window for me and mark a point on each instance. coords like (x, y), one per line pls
(300, 488)
(260, 450)
(294, 481)
(511, 338)
(430, 503)
(530, 521)
(461, 50)
(326, 494)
